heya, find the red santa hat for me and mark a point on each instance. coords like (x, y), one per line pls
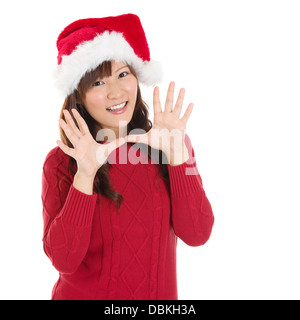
(85, 44)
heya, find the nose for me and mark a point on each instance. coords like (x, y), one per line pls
(114, 92)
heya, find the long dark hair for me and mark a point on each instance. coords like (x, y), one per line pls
(140, 120)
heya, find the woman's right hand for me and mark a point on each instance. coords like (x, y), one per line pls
(89, 154)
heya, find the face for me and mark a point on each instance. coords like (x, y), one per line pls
(119, 91)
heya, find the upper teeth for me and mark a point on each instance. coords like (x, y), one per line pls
(118, 107)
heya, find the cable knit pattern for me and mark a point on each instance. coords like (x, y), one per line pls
(103, 254)
(158, 212)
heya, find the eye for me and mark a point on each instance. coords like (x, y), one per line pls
(123, 74)
(97, 83)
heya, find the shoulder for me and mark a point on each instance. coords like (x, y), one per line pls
(56, 160)
(56, 177)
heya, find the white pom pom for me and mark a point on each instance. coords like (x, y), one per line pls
(150, 73)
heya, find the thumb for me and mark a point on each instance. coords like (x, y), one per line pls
(115, 144)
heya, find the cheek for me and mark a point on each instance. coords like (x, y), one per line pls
(95, 101)
(132, 88)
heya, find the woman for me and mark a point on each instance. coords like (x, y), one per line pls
(112, 210)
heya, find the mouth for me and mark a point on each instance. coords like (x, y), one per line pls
(118, 109)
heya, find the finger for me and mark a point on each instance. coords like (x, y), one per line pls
(84, 129)
(69, 132)
(170, 96)
(179, 102)
(156, 101)
(67, 150)
(187, 113)
(114, 145)
(71, 122)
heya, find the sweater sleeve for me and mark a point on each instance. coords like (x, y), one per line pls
(192, 215)
(67, 214)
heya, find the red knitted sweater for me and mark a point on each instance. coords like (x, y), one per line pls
(103, 254)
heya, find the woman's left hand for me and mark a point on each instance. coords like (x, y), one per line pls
(168, 130)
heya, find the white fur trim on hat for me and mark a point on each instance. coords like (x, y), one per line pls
(90, 54)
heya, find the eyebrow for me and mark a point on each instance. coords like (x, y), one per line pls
(121, 68)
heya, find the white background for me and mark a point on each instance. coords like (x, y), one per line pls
(239, 62)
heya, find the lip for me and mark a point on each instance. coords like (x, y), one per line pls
(119, 111)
